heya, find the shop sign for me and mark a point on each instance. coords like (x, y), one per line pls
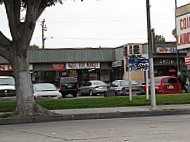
(10, 68)
(6, 68)
(82, 65)
(167, 61)
(187, 60)
(183, 26)
(117, 64)
(169, 50)
(58, 66)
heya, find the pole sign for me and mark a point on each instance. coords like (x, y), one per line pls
(183, 27)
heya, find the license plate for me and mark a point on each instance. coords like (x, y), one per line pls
(171, 87)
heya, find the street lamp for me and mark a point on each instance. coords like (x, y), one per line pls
(150, 45)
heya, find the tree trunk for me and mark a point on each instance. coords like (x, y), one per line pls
(26, 105)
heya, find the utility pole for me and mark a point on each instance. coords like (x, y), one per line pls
(44, 28)
(150, 45)
(178, 57)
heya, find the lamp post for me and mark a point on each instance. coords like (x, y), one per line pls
(150, 45)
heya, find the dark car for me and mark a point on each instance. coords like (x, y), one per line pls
(166, 85)
(121, 87)
(68, 85)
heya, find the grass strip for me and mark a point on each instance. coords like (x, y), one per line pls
(121, 101)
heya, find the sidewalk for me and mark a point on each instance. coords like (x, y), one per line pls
(103, 113)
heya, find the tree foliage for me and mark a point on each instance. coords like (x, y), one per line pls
(159, 38)
(15, 50)
(33, 47)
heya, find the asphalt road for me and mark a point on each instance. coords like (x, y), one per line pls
(141, 129)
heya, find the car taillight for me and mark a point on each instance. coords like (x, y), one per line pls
(96, 86)
(77, 85)
(60, 86)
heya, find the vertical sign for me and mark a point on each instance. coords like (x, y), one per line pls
(183, 27)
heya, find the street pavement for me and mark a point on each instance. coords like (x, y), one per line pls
(103, 113)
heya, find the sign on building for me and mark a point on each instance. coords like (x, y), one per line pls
(82, 65)
(183, 27)
(187, 60)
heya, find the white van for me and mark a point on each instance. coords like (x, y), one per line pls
(7, 87)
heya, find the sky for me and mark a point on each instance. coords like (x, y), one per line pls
(101, 23)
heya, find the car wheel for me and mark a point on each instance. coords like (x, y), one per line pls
(75, 95)
(91, 93)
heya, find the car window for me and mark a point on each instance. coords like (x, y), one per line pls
(99, 83)
(115, 83)
(124, 83)
(7, 81)
(89, 83)
(170, 80)
(157, 81)
(44, 87)
(65, 80)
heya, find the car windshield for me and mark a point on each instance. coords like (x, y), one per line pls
(169, 80)
(7, 81)
(65, 80)
(44, 87)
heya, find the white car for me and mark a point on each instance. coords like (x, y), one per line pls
(7, 88)
(46, 91)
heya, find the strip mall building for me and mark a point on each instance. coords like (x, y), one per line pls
(106, 64)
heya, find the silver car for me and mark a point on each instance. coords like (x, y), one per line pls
(46, 91)
(121, 87)
(93, 88)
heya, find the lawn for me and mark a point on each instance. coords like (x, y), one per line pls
(123, 101)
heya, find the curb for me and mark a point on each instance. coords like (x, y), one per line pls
(37, 119)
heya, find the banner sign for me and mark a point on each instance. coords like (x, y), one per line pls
(82, 65)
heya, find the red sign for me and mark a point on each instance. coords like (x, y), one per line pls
(6, 68)
(187, 60)
(58, 66)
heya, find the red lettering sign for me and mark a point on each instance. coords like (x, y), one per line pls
(58, 66)
(187, 60)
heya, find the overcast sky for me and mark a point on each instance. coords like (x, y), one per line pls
(105, 23)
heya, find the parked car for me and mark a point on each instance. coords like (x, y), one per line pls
(166, 85)
(121, 87)
(68, 85)
(93, 87)
(46, 91)
(7, 88)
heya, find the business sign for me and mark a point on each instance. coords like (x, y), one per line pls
(58, 67)
(138, 64)
(183, 27)
(117, 64)
(82, 65)
(169, 50)
(6, 68)
(187, 60)
(10, 68)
